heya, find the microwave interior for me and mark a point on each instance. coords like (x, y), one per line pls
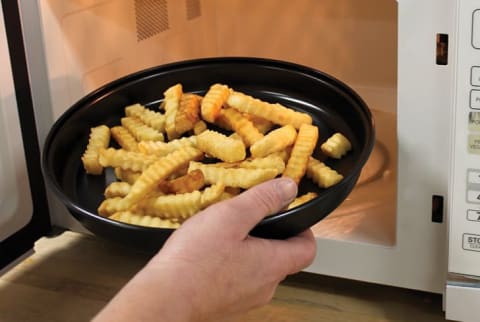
(91, 42)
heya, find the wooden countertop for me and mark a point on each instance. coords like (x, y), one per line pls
(72, 276)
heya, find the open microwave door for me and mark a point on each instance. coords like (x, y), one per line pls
(24, 215)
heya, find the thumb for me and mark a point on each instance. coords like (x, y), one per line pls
(241, 213)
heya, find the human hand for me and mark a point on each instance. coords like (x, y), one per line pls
(211, 267)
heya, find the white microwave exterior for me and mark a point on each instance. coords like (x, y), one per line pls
(418, 257)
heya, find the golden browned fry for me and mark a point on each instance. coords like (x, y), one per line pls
(263, 125)
(171, 104)
(321, 174)
(153, 119)
(187, 183)
(178, 173)
(110, 206)
(141, 131)
(117, 189)
(199, 127)
(181, 206)
(213, 101)
(233, 177)
(336, 146)
(128, 176)
(99, 139)
(221, 146)
(275, 141)
(302, 149)
(133, 218)
(158, 171)
(163, 148)
(188, 113)
(124, 138)
(302, 199)
(242, 126)
(276, 113)
(127, 160)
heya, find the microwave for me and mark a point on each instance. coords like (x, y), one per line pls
(413, 218)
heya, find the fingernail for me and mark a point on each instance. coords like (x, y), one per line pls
(287, 188)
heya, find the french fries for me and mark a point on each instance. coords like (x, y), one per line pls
(99, 138)
(171, 165)
(302, 150)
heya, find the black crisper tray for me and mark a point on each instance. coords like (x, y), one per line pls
(333, 106)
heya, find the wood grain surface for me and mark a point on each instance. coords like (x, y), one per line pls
(72, 276)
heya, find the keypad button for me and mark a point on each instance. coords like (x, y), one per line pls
(474, 121)
(475, 99)
(473, 215)
(474, 176)
(476, 29)
(473, 196)
(475, 76)
(474, 144)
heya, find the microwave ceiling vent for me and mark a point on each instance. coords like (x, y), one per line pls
(151, 18)
(193, 9)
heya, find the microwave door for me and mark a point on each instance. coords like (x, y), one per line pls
(24, 215)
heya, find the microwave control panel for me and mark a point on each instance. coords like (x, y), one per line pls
(464, 219)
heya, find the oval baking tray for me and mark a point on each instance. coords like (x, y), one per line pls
(333, 106)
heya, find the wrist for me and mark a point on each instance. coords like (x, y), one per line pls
(152, 295)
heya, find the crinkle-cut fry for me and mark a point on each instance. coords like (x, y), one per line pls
(99, 139)
(274, 141)
(276, 113)
(199, 127)
(236, 136)
(141, 131)
(242, 126)
(130, 217)
(158, 171)
(222, 123)
(117, 189)
(262, 125)
(321, 174)
(302, 149)
(172, 98)
(127, 160)
(221, 147)
(284, 154)
(211, 195)
(187, 183)
(124, 138)
(213, 101)
(128, 176)
(163, 148)
(229, 193)
(181, 206)
(336, 146)
(302, 199)
(110, 206)
(188, 113)
(270, 161)
(151, 118)
(234, 177)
